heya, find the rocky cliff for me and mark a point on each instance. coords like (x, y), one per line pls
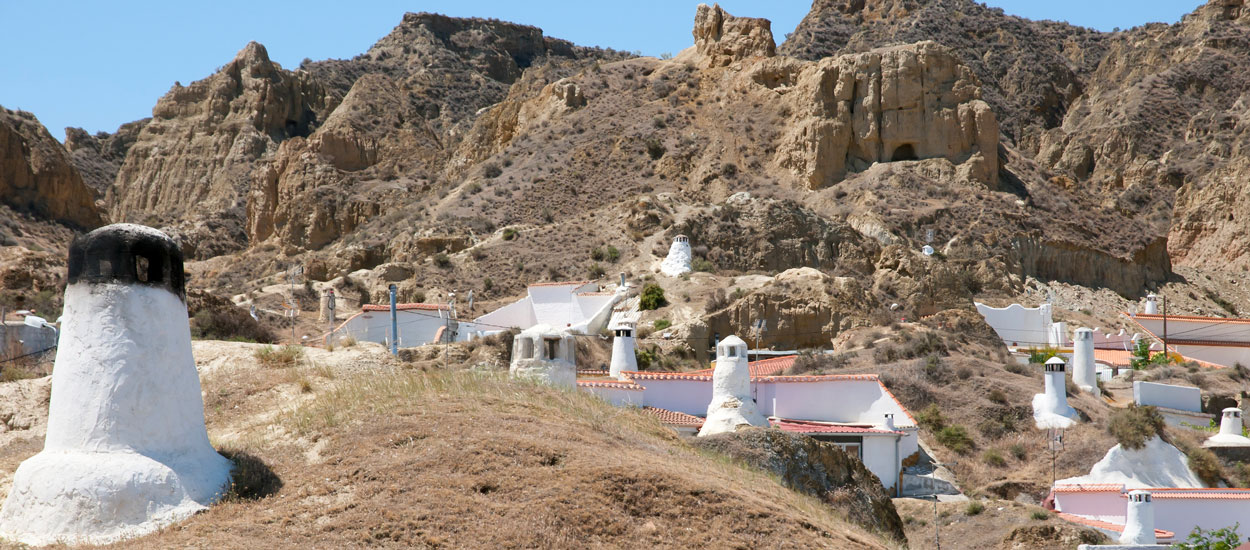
(36, 174)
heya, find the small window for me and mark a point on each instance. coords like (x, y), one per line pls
(552, 348)
(731, 351)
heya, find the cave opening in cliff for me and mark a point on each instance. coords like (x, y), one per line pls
(904, 152)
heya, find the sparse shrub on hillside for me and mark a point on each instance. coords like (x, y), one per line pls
(1135, 425)
(442, 260)
(597, 254)
(655, 149)
(645, 357)
(1018, 451)
(1015, 368)
(612, 254)
(955, 438)
(1205, 465)
(975, 507)
(819, 363)
(729, 169)
(717, 301)
(1040, 356)
(285, 356)
(595, 271)
(700, 264)
(994, 458)
(1040, 515)
(473, 188)
(652, 297)
(661, 324)
(235, 326)
(997, 396)
(491, 170)
(931, 418)
(509, 234)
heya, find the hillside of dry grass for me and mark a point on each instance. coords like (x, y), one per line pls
(366, 451)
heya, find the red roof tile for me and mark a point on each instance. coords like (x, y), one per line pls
(617, 384)
(402, 307)
(1159, 533)
(1213, 493)
(674, 418)
(765, 367)
(561, 283)
(1213, 320)
(1090, 488)
(809, 427)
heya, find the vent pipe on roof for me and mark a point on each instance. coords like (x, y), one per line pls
(1152, 304)
(1084, 373)
(889, 421)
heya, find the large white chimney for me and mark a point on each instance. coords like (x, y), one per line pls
(1084, 372)
(623, 357)
(126, 450)
(732, 403)
(1139, 527)
(1152, 304)
(1230, 431)
(1050, 408)
(1056, 387)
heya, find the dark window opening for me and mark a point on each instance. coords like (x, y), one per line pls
(552, 345)
(904, 152)
(105, 267)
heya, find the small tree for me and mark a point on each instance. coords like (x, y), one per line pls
(1134, 426)
(1225, 538)
(652, 297)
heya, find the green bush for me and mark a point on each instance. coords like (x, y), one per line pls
(955, 438)
(931, 418)
(1040, 356)
(661, 324)
(1133, 426)
(1225, 538)
(285, 356)
(974, 508)
(1017, 450)
(652, 297)
(1040, 515)
(644, 357)
(595, 271)
(612, 254)
(701, 264)
(442, 260)
(994, 458)
(509, 234)
(597, 254)
(1205, 465)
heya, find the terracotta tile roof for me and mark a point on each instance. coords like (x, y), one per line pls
(1219, 320)
(674, 418)
(616, 384)
(1214, 493)
(1113, 357)
(596, 293)
(402, 307)
(1218, 343)
(810, 427)
(592, 372)
(1089, 488)
(765, 367)
(1106, 525)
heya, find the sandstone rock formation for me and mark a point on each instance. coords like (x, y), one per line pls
(900, 103)
(98, 157)
(802, 307)
(193, 160)
(722, 38)
(36, 174)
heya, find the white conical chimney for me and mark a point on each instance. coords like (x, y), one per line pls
(732, 403)
(1084, 372)
(679, 258)
(1152, 304)
(1056, 387)
(623, 357)
(1230, 423)
(1139, 526)
(126, 450)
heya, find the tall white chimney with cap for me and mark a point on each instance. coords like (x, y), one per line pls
(126, 451)
(1152, 304)
(732, 403)
(1230, 434)
(1050, 408)
(1139, 526)
(623, 357)
(1084, 372)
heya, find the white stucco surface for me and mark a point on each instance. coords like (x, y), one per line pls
(623, 354)
(732, 404)
(1020, 326)
(126, 451)
(1158, 464)
(678, 260)
(532, 360)
(1139, 527)
(1050, 408)
(1181, 398)
(1084, 372)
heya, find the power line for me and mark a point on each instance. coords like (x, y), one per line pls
(12, 359)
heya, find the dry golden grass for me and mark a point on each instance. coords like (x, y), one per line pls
(438, 459)
(285, 356)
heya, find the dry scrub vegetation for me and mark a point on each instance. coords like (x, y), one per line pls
(425, 458)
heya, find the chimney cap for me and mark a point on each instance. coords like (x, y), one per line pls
(127, 253)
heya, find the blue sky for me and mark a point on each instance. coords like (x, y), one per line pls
(98, 64)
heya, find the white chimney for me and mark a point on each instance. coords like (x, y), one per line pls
(126, 450)
(1152, 304)
(623, 358)
(889, 421)
(732, 403)
(1056, 387)
(1139, 527)
(1058, 335)
(1084, 372)
(1230, 423)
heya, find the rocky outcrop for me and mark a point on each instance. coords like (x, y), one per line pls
(98, 157)
(193, 161)
(36, 174)
(814, 468)
(1059, 261)
(723, 39)
(801, 307)
(900, 103)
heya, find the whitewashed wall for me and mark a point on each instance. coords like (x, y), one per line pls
(415, 329)
(1182, 398)
(1017, 325)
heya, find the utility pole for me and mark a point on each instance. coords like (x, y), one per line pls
(1164, 299)
(394, 322)
(330, 306)
(451, 311)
